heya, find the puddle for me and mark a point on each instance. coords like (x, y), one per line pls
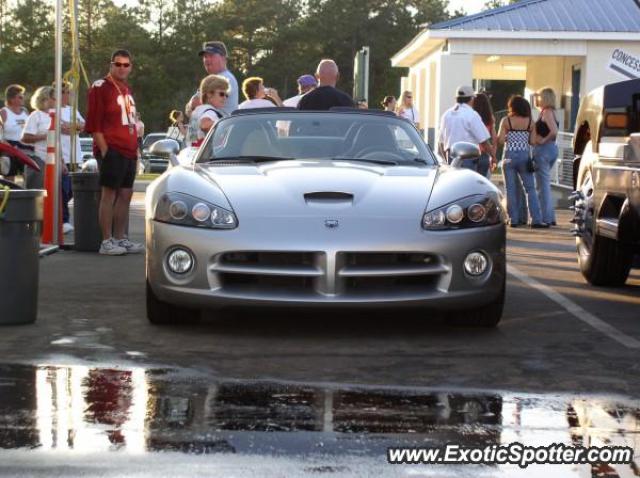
(77, 410)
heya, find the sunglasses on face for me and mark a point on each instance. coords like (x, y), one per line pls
(222, 94)
(117, 64)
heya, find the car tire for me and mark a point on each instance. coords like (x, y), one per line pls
(603, 261)
(607, 263)
(163, 313)
(487, 316)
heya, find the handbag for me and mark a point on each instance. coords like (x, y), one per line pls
(531, 164)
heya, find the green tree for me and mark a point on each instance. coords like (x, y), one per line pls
(491, 4)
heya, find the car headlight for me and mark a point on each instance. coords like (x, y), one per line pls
(471, 211)
(185, 210)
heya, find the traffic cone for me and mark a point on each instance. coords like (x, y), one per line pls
(50, 185)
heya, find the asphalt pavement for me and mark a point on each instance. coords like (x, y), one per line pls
(561, 343)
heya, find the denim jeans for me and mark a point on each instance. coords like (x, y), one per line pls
(514, 167)
(67, 194)
(484, 164)
(545, 156)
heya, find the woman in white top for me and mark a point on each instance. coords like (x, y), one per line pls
(13, 117)
(214, 91)
(256, 95)
(35, 131)
(407, 110)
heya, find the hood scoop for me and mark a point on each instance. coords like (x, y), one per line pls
(328, 198)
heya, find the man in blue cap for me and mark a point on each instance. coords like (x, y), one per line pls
(214, 60)
(306, 83)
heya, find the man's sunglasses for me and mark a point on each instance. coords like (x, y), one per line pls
(120, 65)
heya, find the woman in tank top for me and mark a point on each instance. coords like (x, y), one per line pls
(545, 151)
(515, 133)
(13, 117)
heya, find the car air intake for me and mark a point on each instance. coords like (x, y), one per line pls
(328, 197)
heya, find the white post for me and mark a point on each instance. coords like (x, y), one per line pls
(74, 98)
(58, 165)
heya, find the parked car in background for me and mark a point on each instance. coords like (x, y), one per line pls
(344, 209)
(86, 147)
(151, 162)
(607, 179)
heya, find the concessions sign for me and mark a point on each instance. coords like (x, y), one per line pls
(625, 64)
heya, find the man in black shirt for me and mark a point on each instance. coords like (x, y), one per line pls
(326, 95)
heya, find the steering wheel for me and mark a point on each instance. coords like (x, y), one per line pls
(373, 152)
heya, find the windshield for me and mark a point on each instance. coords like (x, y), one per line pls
(330, 135)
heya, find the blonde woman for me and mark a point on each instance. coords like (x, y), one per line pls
(214, 91)
(545, 151)
(407, 110)
(35, 132)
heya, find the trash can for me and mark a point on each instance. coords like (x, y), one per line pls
(86, 203)
(20, 229)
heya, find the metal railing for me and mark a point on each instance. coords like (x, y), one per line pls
(563, 174)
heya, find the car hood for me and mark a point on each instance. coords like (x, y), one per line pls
(302, 188)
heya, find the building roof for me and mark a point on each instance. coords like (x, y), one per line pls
(553, 15)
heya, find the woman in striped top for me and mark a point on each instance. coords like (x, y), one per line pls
(515, 133)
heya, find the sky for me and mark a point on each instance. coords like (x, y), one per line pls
(470, 6)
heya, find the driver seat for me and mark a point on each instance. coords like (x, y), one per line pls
(377, 137)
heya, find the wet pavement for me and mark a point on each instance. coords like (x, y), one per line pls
(84, 420)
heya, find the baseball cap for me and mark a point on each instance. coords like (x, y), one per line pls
(465, 92)
(307, 80)
(213, 47)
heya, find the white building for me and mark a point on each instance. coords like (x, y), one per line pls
(572, 46)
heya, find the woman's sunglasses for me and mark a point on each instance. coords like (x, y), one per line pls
(222, 94)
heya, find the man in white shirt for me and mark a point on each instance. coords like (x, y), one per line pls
(214, 60)
(463, 123)
(306, 83)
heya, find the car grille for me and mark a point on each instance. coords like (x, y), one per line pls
(347, 274)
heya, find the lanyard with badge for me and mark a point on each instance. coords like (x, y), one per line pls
(127, 103)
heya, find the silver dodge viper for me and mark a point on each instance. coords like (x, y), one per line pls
(340, 208)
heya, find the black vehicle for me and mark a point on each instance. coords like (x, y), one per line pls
(607, 182)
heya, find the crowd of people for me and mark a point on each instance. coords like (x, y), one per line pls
(28, 133)
(117, 132)
(529, 149)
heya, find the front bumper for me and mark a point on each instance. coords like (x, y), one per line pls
(362, 265)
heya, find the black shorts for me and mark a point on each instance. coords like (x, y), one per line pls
(116, 171)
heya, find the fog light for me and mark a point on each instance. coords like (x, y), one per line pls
(180, 261)
(476, 263)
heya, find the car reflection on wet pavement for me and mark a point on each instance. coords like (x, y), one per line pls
(74, 420)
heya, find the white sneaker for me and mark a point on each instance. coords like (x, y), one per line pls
(67, 228)
(130, 247)
(110, 247)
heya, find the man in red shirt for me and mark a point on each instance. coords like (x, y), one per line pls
(111, 118)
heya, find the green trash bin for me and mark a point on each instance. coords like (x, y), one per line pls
(20, 230)
(86, 204)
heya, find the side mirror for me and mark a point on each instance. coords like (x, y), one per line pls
(461, 151)
(166, 148)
